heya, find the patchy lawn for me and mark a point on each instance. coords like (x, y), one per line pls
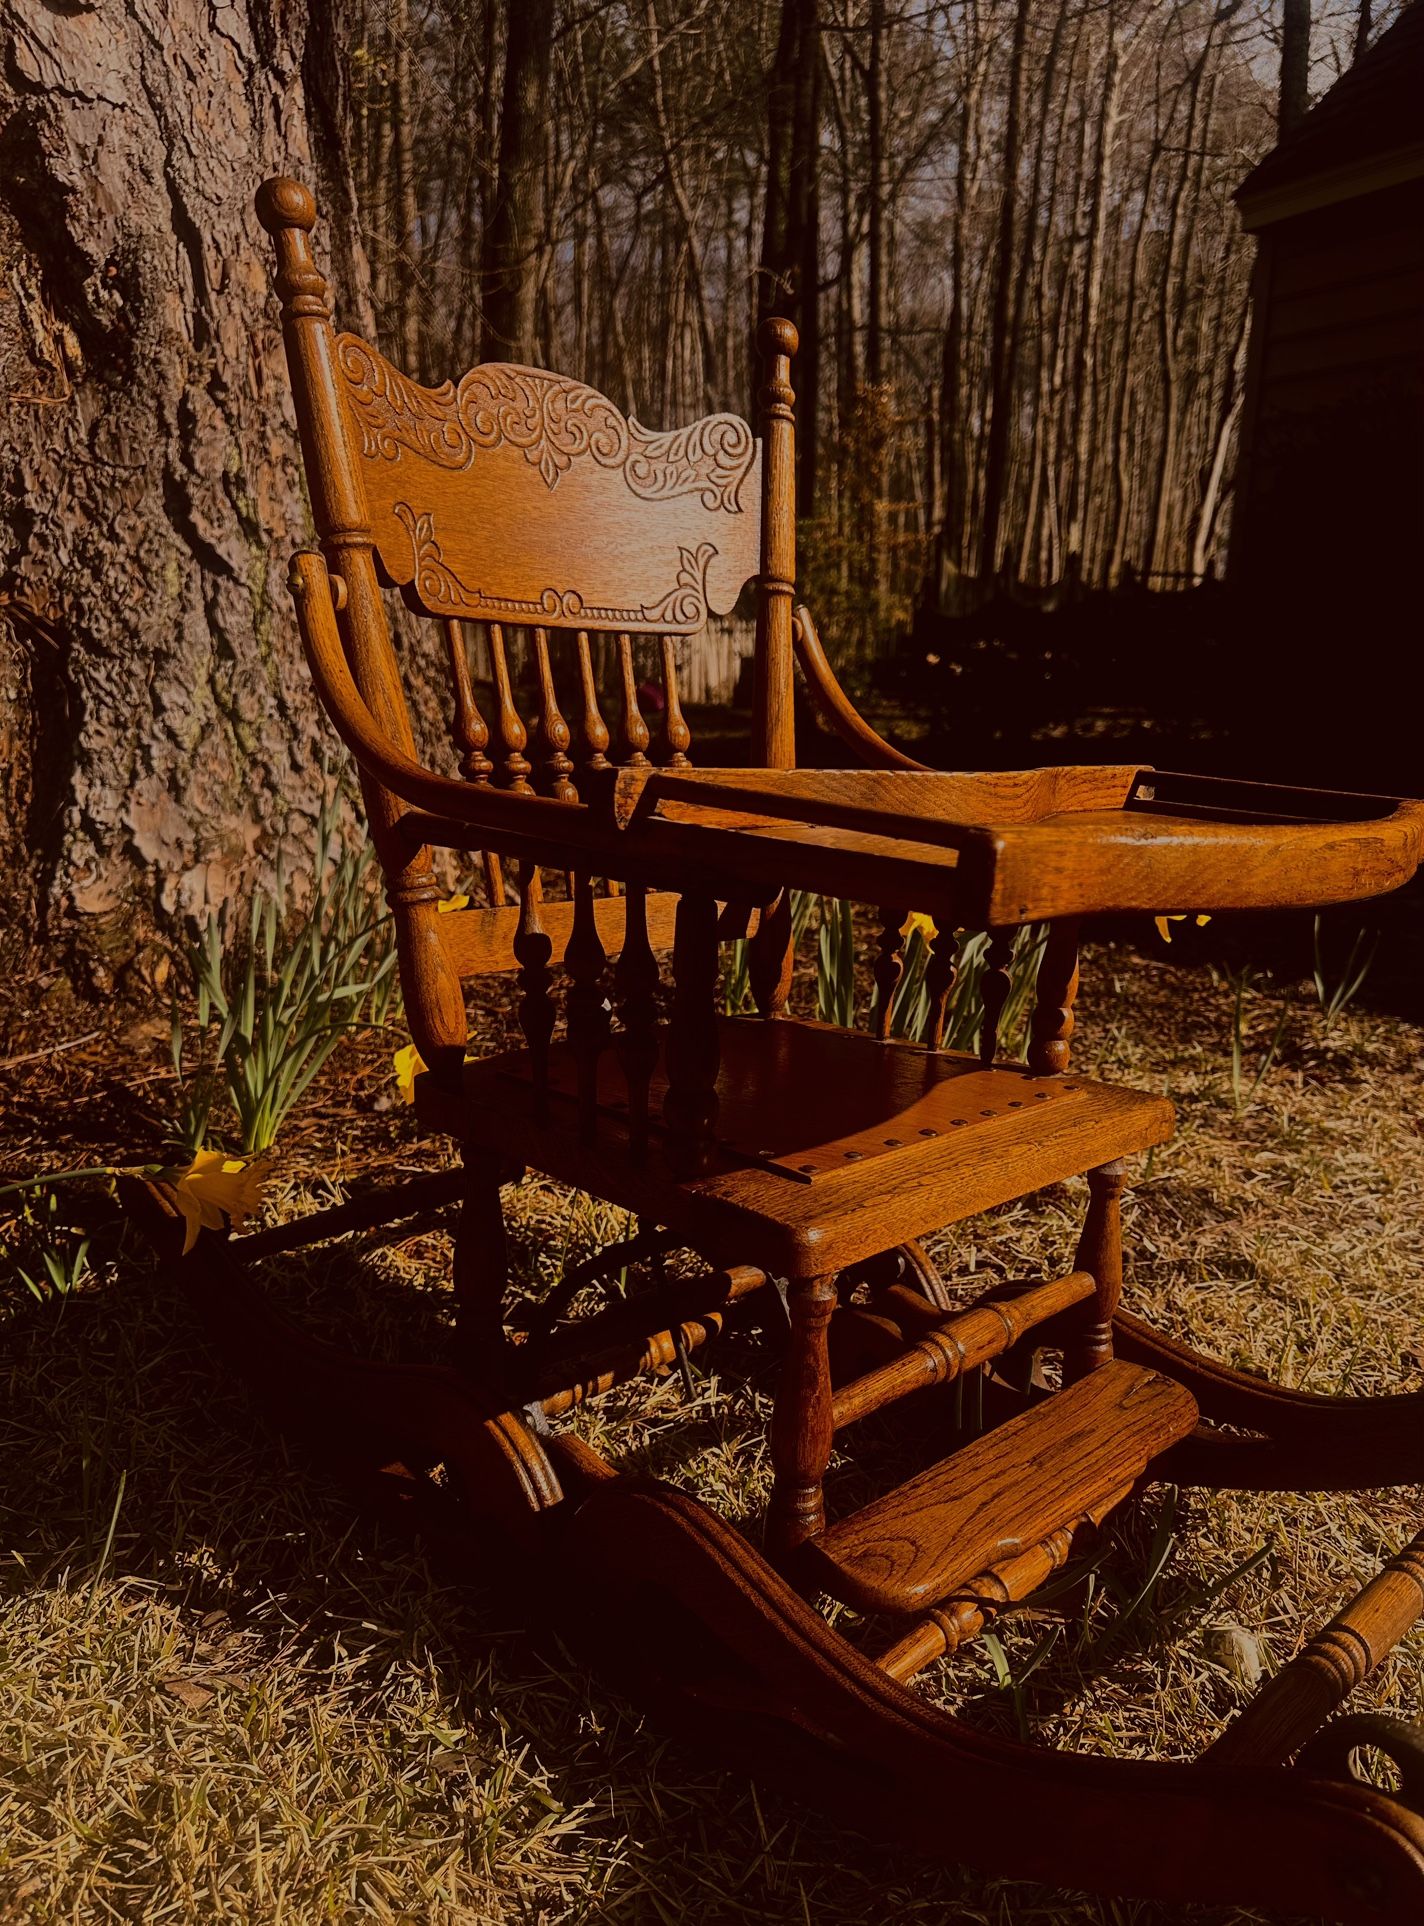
(226, 1697)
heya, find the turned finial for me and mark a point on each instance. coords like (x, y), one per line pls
(777, 335)
(283, 202)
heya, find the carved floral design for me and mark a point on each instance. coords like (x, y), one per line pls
(552, 420)
(709, 459)
(393, 412)
(439, 587)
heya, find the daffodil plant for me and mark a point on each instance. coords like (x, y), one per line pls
(837, 985)
(275, 995)
(209, 1188)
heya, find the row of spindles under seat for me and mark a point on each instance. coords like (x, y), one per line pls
(942, 972)
(690, 1105)
(689, 1111)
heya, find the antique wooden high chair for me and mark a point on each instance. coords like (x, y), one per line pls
(791, 1153)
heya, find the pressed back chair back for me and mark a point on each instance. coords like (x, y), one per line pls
(578, 541)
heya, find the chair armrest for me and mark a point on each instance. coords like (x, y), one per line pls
(834, 706)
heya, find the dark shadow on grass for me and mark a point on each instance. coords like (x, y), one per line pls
(129, 1450)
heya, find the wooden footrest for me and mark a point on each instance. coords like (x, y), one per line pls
(1046, 1469)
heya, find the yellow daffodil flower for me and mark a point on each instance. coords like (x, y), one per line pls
(452, 903)
(917, 920)
(408, 1065)
(215, 1185)
(1162, 923)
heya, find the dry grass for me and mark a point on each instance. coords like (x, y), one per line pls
(224, 1697)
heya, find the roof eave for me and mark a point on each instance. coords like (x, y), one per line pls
(1264, 206)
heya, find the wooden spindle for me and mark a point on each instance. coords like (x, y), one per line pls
(586, 1005)
(994, 992)
(693, 1049)
(635, 981)
(1100, 1254)
(889, 968)
(770, 958)
(513, 736)
(593, 730)
(941, 974)
(675, 738)
(471, 739)
(802, 1424)
(633, 746)
(471, 731)
(532, 950)
(1052, 1025)
(553, 736)
(1298, 1700)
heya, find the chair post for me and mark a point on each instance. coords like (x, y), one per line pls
(1100, 1254)
(802, 1420)
(434, 1002)
(773, 722)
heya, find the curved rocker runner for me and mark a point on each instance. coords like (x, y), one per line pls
(800, 1161)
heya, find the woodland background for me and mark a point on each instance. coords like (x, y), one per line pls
(1004, 228)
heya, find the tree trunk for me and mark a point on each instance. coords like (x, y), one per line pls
(1295, 63)
(1001, 342)
(156, 711)
(514, 238)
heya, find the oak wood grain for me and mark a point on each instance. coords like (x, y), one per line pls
(785, 1220)
(1007, 1490)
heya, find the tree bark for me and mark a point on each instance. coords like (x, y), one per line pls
(155, 702)
(514, 238)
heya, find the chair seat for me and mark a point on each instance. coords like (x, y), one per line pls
(1070, 1458)
(830, 1145)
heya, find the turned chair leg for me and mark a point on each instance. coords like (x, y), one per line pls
(802, 1426)
(481, 1270)
(1100, 1254)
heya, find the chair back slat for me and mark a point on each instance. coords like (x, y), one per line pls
(634, 734)
(470, 733)
(518, 495)
(593, 730)
(675, 738)
(552, 736)
(515, 767)
(889, 968)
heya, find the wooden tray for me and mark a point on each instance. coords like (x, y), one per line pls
(1001, 849)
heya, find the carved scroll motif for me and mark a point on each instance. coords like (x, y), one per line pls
(552, 420)
(441, 588)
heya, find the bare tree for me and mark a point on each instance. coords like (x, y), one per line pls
(514, 238)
